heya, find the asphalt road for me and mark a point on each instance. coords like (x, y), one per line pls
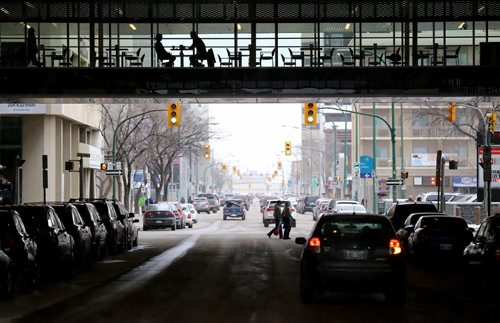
(230, 271)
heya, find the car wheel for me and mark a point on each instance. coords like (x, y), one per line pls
(224, 218)
(243, 217)
(145, 228)
(173, 227)
(266, 224)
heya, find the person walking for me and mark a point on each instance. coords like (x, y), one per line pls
(32, 49)
(287, 220)
(277, 220)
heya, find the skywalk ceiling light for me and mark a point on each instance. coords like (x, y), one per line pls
(463, 26)
(133, 27)
(239, 26)
(5, 11)
(29, 4)
(347, 26)
(55, 25)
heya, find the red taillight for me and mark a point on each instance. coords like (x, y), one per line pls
(292, 209)
(147, 214)
(44, 233)
(270, 209)
(497, 253)
(189, 216)
(394, 247)
(11, 242)
(170, 213)
(315, 245)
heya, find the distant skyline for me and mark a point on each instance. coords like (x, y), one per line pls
(253, 134)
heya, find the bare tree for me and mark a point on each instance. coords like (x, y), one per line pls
(470, 118)
(169, 143)
(131, 137)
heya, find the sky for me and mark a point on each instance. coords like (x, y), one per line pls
(253, 134)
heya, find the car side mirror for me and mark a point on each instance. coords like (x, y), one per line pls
(301, 240)
(135, 221)
(409, 228)
(131, 215)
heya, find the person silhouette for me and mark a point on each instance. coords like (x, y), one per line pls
(32, 49)
(162, 54)
(200, 50)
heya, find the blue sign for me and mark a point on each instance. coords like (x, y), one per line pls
(366, 167)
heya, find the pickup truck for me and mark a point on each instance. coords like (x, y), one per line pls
(233, 209)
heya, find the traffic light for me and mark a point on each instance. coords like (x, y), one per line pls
(174, 114)
(492, 121)
(433, 181)
(404, 174)
(104, 166)
(206, 152)
(223, 168)
(280, 166)
(234, 169)
(288, 148)
(310, 114)
(452, 112)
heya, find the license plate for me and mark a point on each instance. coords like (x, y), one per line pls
(159, 221)
(446, 246)
(355, 254)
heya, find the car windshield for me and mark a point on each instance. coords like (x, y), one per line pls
(159, 207)
(200, 199)
(231, 203)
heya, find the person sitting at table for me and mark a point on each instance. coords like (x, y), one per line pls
(201, 52)
(162, 54)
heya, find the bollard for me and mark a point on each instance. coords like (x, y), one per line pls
(458, 212)
(478, 215)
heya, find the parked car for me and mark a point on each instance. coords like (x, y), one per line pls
(92, 219)
(234, 208)
(194, 213)
(268, 213)
(398, 212)
(409, 226)
(20, 248)
(306, 203)
(6, 274)
(75, 226)
(213, 201)
(180, 218)
(127, 219)
(317, 207)
(352, 253)
(187, 215)
(439, 237)
(116, 239)
(55, 246)
(483, 254)
(160, 215)
(201, 205)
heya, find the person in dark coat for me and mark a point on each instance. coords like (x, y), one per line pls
(277, 220)
(32, 48)
(287, 219)
(200, 50)
(162, 53)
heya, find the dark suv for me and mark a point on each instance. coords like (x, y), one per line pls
(126, 218)
(21, 249)
(398, 212)
(213, 201)
(116, 239)
(306, 203)
(483, 253)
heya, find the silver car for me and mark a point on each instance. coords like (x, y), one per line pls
(201, 204)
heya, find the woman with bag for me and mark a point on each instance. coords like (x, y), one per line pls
(287, 219)
(277, 220)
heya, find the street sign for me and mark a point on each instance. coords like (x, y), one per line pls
(366, 166)
(356, 166)
(394, 182)
(114, 172)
